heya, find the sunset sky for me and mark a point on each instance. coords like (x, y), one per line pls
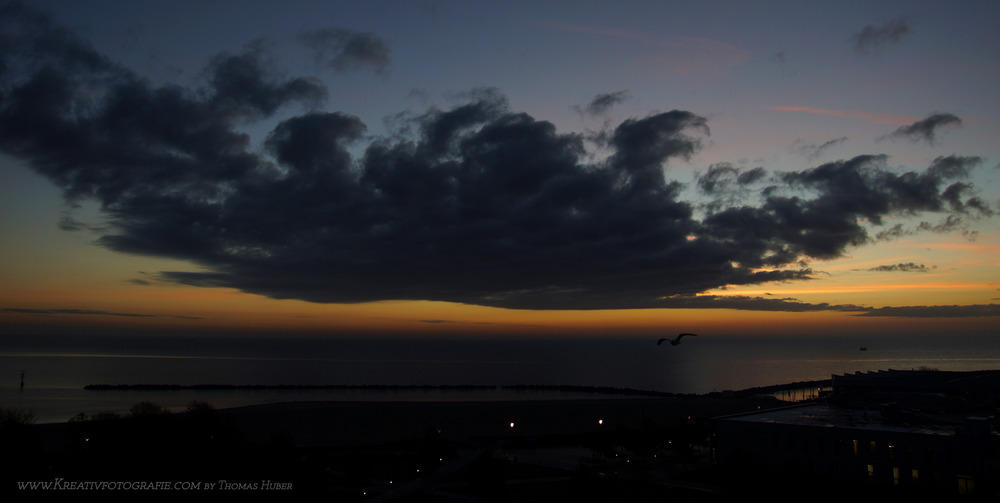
(499, 168)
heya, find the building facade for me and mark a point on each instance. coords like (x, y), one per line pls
(909, 436)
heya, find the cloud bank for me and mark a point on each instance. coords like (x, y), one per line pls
(902, 267)
(479, 204)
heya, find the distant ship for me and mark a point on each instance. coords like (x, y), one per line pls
(863, 348)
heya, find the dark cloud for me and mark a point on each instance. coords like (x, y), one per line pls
(949, 224)
(748, 303)
(845, 195)
(476, 204)
(872, 39)
(752, 175)
(812, 151)
(29, 31)
(642, 146)
(783, 63)
(68, 223)
(145, 279)
(954, 166)
(346, 50)
(724, 176)
(901, 267)
(604, 102)
(926, 129)
(954, 194)
(242, 84)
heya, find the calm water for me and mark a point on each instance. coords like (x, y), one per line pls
(56, 369)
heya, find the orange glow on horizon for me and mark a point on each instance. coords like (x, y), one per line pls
(448, 320)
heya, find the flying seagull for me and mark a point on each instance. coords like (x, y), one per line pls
(674, 341)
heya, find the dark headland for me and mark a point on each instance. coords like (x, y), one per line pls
(624, 448)
(537, 450)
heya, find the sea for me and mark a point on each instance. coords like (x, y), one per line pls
(54, 370)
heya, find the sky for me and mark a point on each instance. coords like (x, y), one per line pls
(456, 168)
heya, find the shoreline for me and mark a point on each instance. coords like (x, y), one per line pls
(568, 388)
(561, 388)
(176, 398)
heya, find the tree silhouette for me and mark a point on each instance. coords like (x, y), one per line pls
(147, 409)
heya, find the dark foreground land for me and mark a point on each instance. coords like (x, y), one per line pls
(624, 449)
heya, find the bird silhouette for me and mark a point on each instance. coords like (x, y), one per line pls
(675, 341)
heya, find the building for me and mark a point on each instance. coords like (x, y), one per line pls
(907, 431)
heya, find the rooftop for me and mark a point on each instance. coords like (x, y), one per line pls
(934, 381)
(927, 402)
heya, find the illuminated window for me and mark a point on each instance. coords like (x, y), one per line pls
(895, 475)
(915, 475)
(854, 446)
(871, 473)
(892, 451)
(872, 448)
